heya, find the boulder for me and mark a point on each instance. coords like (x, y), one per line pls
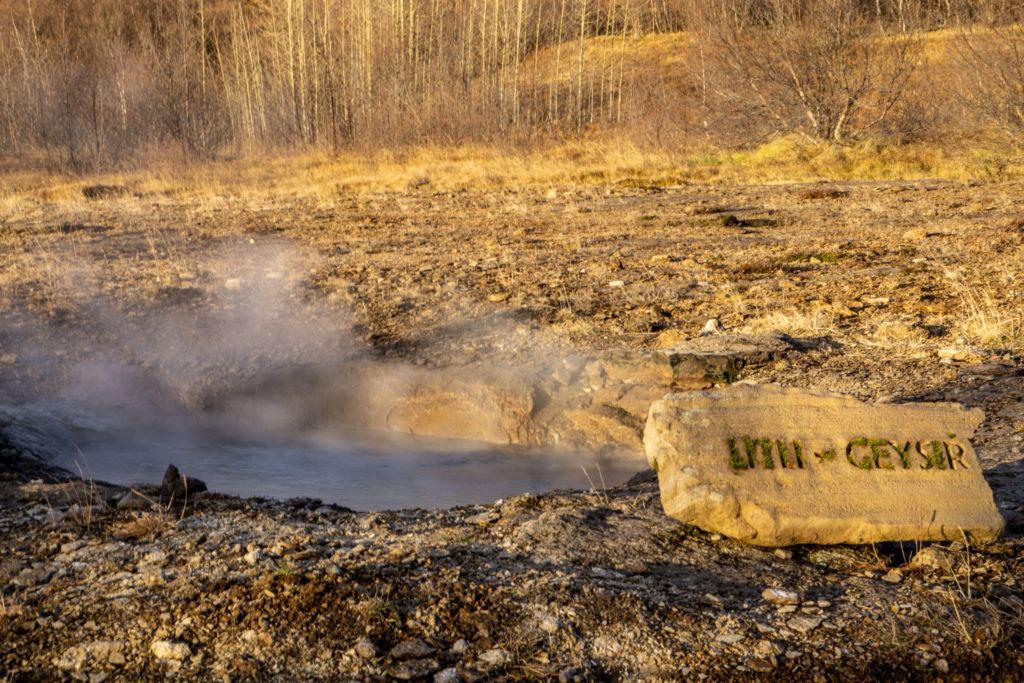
(774, 466)
(177, 487)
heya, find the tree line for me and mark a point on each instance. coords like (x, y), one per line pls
(101, 83)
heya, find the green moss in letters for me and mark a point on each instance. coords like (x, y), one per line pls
(880, 452)
(737, 461)
(955, 453)
(864, 464)
(935, 459)
(903, 452)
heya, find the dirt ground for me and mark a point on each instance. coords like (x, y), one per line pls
(895, 292)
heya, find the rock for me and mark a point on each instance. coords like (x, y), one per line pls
(71, 546)
(804, 624)
(411, 649)
(994, 369)
(495, 658)
(941, 665)
(893, 576)
(134, 501)
(253, 556)
(414, 669)
(915, 234)
(962, 354)
(460, 647)
(774, 466)
(604, 425)
(549, 624)
(729, 638)
(94, 653)
(712, 327)
(760, 665)
(366, 648)
(169, 649)
(449, 675)
(778, 596)
(177, 487)
(483, 518)
(932, 557)
(33, 576)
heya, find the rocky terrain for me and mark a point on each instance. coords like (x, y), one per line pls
(889, 292)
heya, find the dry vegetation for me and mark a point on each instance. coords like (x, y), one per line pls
(96, 85)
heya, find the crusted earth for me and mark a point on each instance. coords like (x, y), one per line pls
(887, 291)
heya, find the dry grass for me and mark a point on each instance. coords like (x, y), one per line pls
(146, 525)
(987, 318)
(813, 323)
(587, 163)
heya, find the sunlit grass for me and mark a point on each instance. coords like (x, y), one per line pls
(599, 162)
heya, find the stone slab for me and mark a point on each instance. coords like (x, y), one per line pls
(775, 466)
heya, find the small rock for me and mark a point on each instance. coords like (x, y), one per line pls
(729, 638)
(495, 658)
(460, 647)
(412, 649)
(893, 576)
(779, 596)
(549, 624)
(932, 557)
(760, 665)
(366, 648)
(96, 652)
(71, 546)
(783, 554)
(449, 675)
(483, 518)
(33, 576)
(168, 649)
(253, 556)
(915, 234)
(802, 624)
(712, 327)
(414, 669)
(941, 665)
(134, 501)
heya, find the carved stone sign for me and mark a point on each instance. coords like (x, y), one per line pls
(774, 466)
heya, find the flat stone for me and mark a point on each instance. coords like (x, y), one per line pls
(168, 649)
(774, 466)
(804, 624)
(483, 518)
(932, 557)
(893, 576)
(778, 596)
(34, 576)
(134, 501)
(366, 648)
(414, 669)
(495, 658)
(412, 649)
(449, 675)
